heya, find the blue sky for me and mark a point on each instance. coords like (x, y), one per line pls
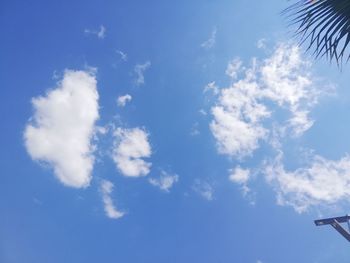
(154, 131)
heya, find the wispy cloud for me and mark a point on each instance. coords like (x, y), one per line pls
(195, 129)
(261, 43)
(130, 147)
(106, 189)
(165, 181)
(241, 177)
(122, 55)
(62, 128)
(241, 110)
(244, 116)
(209, 43)
(322, 183)
(233, 68)
(203, 112)
(204, 189)
(140, 71)
(100, 33)
(211, 87)
(122, 100)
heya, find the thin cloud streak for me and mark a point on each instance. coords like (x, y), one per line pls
(139, 71)
(209, 43)
(101, 33)
(106, 188)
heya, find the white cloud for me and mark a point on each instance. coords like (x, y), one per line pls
(101, 33)
(203, 112)
(123, 55)
(140, 71)
(209, 43)
(106, 189)
(101, 130)
(204, 189)
(322, 183)
(165, 181)
(237, 117)
(241, 112)
(62, 127)
(195, 129)
(239, 175)
(131, 145)
(261, 43)
(235, 137)
(269, 101)
(212, 87)
(289, 83)
(233, 68)
(122, 100)
(300, 122)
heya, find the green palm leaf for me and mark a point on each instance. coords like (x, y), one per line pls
(324, 24)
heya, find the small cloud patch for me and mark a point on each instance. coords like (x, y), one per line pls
(204, 189)
(100, 33)
(130, 147)
(165, 181)
(122, 100)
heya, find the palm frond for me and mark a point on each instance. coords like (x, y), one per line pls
(324, 24)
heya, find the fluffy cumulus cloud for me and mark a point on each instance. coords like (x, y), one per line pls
(237, 119)
(122, 100)
(282, 81)
(130, 147)
(61, 129)
(140, 72)
(165, 181)
(322, 182)
(106, 189)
